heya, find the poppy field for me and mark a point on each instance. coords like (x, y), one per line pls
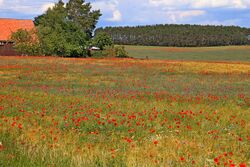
(123, 112)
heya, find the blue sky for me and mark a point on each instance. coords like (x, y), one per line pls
(144, 12)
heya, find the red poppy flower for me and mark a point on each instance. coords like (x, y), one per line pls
(243, 165)
(216, 160)
(155, 142)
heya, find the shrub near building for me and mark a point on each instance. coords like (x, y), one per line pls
(26, 42)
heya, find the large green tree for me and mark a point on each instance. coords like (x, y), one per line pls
(80, 12)
(62, 31)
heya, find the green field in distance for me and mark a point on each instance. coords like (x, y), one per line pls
(225, 53)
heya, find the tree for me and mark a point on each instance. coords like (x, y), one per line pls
(65, 31)
(26, 42)
(102, 40)
(80, 12)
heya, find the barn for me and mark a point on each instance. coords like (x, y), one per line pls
(7, 27)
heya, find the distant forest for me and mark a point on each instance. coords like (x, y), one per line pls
(178, 35)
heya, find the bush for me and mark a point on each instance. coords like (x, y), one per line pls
(111, 51)
(102, 40)
(28, 49)
(108, 52)
(26, 42)
(99, 54)
(121, 52)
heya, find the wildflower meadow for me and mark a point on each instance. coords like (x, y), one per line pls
(123, 112)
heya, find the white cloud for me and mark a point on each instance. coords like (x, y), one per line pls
(202, 3)
(109, 6)
(25, 6)
(1, 2)
(140, 12)
(105, 5)
(175, 16)
(45, 7)
(117, 16)
(168, 3)
(189, 13)
(220, 3)
(23, 9)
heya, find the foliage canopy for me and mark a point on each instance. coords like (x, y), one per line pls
(66, 29)
(178, 35)
(102, 40)
(26, 42)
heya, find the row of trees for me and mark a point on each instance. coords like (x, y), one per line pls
(64, 30)
(178, 35)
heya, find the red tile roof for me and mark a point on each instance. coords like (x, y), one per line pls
(8, 26)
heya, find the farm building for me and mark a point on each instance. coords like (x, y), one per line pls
(94, 48)
(248, 37)
(7, 27)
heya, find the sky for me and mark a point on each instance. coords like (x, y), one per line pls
(145, 12)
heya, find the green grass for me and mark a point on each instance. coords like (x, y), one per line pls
(224, 53)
